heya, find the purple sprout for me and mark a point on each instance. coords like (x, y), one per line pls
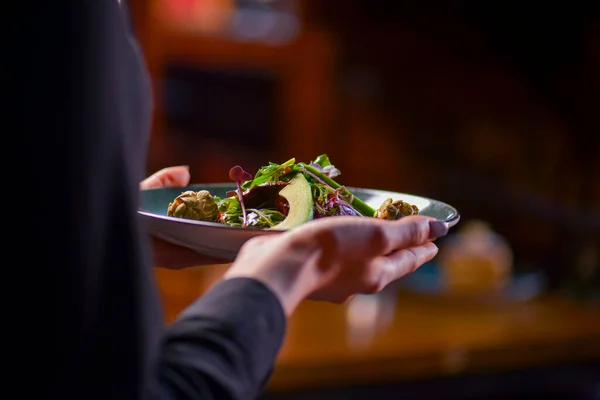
(343, 206)
(329, 170)
(239, 176)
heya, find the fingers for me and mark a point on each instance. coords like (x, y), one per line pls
(378, 274)
(167, 177)
(400, 263)
(411, 231)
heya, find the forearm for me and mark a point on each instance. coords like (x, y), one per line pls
(225, 344)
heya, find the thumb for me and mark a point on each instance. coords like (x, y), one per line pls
(167, 177)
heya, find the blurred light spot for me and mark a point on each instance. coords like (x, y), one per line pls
(245, 23)
(274, 28)
(365, 316)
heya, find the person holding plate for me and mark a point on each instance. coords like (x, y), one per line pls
(92, 280)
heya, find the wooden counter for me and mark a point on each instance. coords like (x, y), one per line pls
(413, 337)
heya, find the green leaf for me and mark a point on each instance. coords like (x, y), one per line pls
(271, 172)
(322, 160)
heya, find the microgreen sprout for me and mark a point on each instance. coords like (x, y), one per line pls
(239, 176)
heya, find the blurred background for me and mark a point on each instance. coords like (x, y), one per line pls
(492, 107)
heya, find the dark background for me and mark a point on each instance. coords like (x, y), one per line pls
(491, 106)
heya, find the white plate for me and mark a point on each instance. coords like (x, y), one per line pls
(224, 241)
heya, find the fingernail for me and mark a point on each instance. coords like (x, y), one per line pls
(437, 229)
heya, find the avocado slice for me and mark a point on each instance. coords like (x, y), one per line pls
(299, 196)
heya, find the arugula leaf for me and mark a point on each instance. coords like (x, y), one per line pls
(271, 172)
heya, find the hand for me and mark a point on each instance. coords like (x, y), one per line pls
(332, 259)
(168, 255)
(178, 176)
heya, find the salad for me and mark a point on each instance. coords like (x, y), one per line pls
(282, 196)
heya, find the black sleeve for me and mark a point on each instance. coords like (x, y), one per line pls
(80, 105)
(225, 343)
